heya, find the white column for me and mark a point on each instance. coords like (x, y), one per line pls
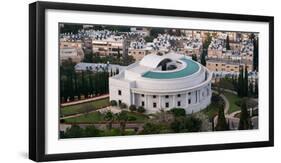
(174, 100)
(133, 98)
(199, 96)
(186, 99)
(196, 97)
(160, 100)
(146, 101)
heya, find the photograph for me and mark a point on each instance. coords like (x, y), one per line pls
(117, 80)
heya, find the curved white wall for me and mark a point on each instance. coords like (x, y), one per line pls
(195, 91)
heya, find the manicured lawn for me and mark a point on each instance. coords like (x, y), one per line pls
(232, 98)
(81, 108)
(96, 117)
(93, 117)
(211, 110)
(139, 117)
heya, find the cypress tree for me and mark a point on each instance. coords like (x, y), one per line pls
(76, 85)
(194, 57)
(91, 84)
(62, 89)
(111, 73)
(221, 124)
(203, 58)
(256, 54)
(246, 85)
(94, 84)
(251, 89)
(207, 41)
(107, 82)
(244, 122)
(84, 85)
(71, 86)
(227, 46)
(234, 83)
(256, 88)
(97, 83)
(240, 87)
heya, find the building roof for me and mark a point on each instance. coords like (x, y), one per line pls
(98, 66)
(152, 60)
(191, 68)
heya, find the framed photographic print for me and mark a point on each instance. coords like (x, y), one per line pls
(108, 81)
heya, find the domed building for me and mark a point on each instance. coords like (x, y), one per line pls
(163, 82)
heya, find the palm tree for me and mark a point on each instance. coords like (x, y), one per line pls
(122, 117)
(109, 117)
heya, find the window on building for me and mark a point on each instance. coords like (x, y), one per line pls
(189, 101)
(142, 103)
(142, 95)
(154, 96)
(189, 93)
(179, 103)
(167, 96)
(179, 95)
(119, 102)
(216, 64)
(119, 92)
(167, 104)
(154, 105)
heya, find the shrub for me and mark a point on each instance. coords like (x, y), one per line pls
(186, 124)
(132, 118)
(151, 128)
(141, 109)
(215, 99)
(113, 103)
(177, 112)
(133, 108)
(62, 121)
(123, 105)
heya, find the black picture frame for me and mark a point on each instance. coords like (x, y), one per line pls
(37, 80)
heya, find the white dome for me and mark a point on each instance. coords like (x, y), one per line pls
(153, 60)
